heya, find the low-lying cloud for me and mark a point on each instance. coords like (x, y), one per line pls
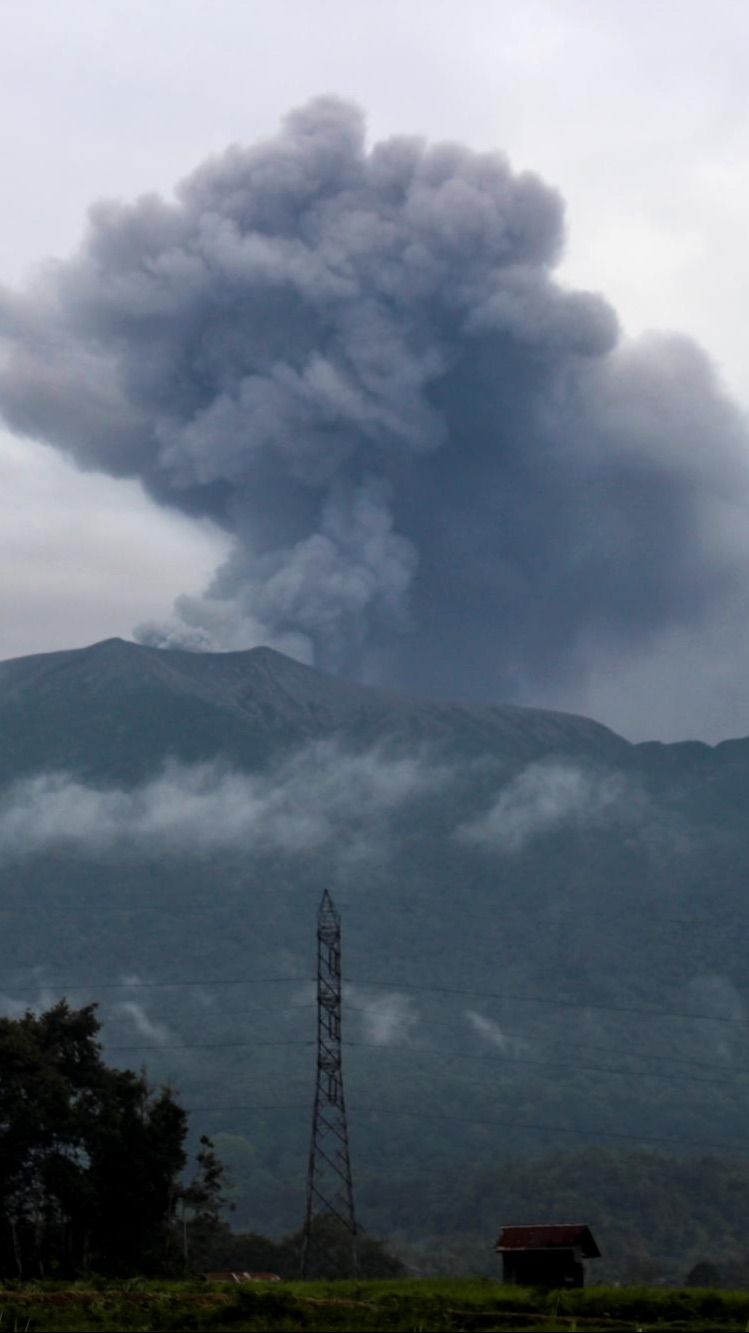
(486, 1027)
(491, 1031)
(543, 798)
(388, 1018)
(135, 1014)
(320, 795)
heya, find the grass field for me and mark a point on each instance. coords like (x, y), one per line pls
(423, 1304)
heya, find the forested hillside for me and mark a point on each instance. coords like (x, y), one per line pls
(656, 1219)
(544, 926)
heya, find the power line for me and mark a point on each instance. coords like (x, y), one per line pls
(657, 1055)
(555, 1129)
(475, 992)
(214, 906)
(548, 1000)
(222, 1015)
(557, 917)
(389, 984)
(586, 1132)
(546, 1129)
(568, 1067)
(203, 1045)
(149, 985)
(538, 1064)
(109, 1021)
(271, 1106)
(460, 1055)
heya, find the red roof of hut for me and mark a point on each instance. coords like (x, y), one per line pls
(570, 1236)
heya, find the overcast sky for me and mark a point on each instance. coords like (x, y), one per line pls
(637, 113)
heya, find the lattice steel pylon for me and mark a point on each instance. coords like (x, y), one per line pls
(329, 1243)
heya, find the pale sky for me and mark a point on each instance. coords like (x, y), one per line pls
(637, 113)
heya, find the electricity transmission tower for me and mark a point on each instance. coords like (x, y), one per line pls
(329, 1240)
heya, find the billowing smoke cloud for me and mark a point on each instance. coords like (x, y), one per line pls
(440, 468)
(307, 803)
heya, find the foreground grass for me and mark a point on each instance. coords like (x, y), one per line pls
(423, 1304)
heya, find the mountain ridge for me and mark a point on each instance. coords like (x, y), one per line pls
(270, 696)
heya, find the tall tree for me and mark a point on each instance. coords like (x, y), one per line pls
(202, 1203)
(90, 1156)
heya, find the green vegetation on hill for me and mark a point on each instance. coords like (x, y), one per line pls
(544, 941)
(654, 1217)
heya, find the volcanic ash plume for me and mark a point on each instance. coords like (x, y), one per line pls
(438, 467)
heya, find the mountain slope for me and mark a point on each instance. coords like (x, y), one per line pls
(544, 926)
(116, 708)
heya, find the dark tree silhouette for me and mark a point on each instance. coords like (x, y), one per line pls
(90, 1156)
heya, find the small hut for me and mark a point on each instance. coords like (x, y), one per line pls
(546, 1256)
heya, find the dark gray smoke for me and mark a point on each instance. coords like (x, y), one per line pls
(440, 468)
